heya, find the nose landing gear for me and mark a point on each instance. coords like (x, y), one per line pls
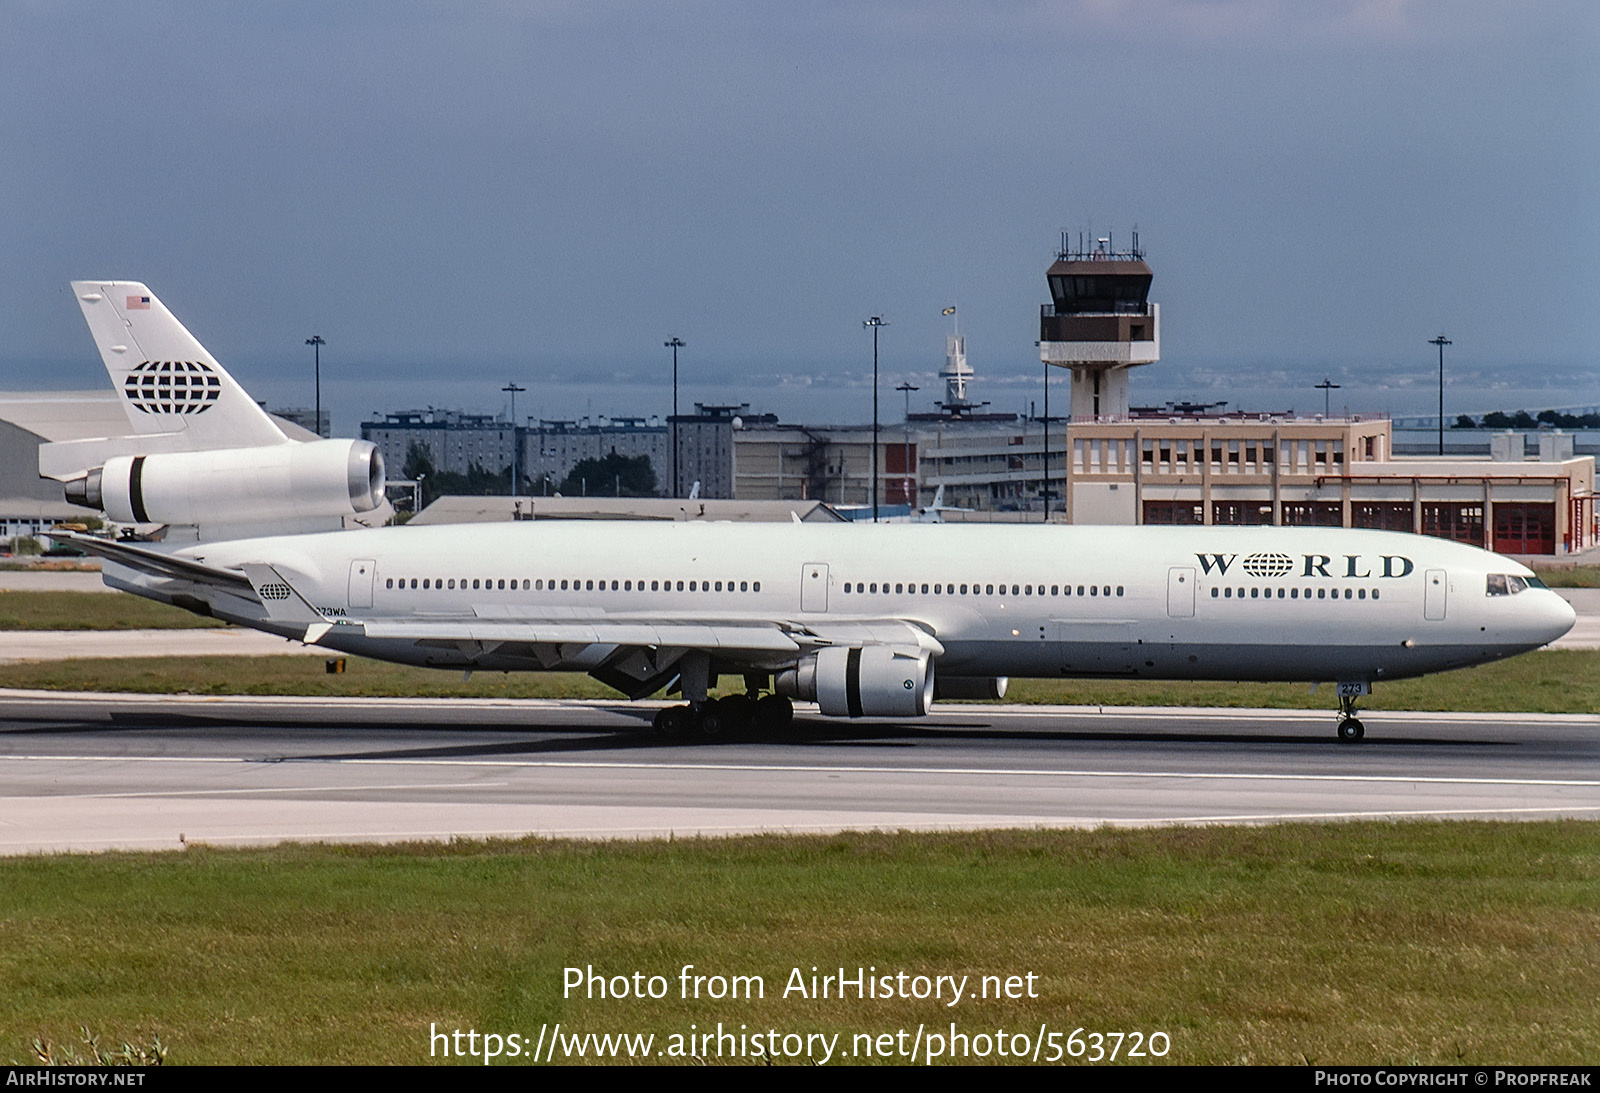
(1350, 727)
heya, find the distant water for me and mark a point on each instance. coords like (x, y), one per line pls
(828, 393)
(1476, 441)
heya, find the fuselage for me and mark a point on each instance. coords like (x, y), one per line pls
(1230, 603)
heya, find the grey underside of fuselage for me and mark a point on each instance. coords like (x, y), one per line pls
(1240, 662)
(1044, 660)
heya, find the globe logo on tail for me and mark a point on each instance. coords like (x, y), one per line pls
(172, 387)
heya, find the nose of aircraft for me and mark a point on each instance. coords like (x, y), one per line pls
(1553, 616)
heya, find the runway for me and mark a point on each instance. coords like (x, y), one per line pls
(84, 772)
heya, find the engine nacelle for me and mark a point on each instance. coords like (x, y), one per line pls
(875, 681)
(971, 688)
(319, 479)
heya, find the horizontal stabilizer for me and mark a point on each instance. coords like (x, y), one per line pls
(66, 459)
(144, 559)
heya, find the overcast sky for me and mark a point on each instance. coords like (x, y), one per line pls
(459, 194)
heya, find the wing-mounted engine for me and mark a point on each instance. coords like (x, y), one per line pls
(279, 486)
(863, 681)
(971, 688)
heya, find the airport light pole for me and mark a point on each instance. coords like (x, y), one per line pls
(675, 343)
(873, 324)
(1326, 386)
(316, 343)
(1046, 424)
(908, 387)
(512, 387)
(1441, 341)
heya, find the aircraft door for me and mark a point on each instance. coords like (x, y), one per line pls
(362, 571)
(814, 586)
(1180, 592)
(1435, 588)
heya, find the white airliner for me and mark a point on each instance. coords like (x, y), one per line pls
(863, 620)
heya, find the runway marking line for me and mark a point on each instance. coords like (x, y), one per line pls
(812, 769)
(165, 703)
(253, 790)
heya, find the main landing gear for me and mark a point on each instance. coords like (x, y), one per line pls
(730, 718)
(1350, 727)
(727, 718)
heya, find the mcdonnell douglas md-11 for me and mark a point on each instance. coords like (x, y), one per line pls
(863, 620)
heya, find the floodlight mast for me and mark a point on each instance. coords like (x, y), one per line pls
(1441, 341)
(874, 324)
(316, 343)
(675, 343)
(1325, 387)
(512, 387)
(907, 387)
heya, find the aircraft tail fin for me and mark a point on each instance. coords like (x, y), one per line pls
(167, 382)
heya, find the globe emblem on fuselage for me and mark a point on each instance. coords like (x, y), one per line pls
(172, 387)
(1267, 565)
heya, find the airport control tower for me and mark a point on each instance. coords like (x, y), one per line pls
(1100, 324)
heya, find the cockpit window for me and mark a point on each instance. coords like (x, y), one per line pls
(1508, 584)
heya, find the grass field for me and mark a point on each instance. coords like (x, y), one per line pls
(1548, 681)
(91, 611)
(1341, 943)
(1576, 576)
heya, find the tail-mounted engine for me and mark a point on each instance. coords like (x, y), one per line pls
(319, 479)
(874, 681)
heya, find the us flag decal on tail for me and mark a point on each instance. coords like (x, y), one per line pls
(138, 303)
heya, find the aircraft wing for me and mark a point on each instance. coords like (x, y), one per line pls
(863, 632)
(712, 637)
(636, 656)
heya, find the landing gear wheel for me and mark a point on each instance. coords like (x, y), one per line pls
(672, 722)
(773, 715)
(1350, 729)
(724, 718)
(737, 713)
(711, 722)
